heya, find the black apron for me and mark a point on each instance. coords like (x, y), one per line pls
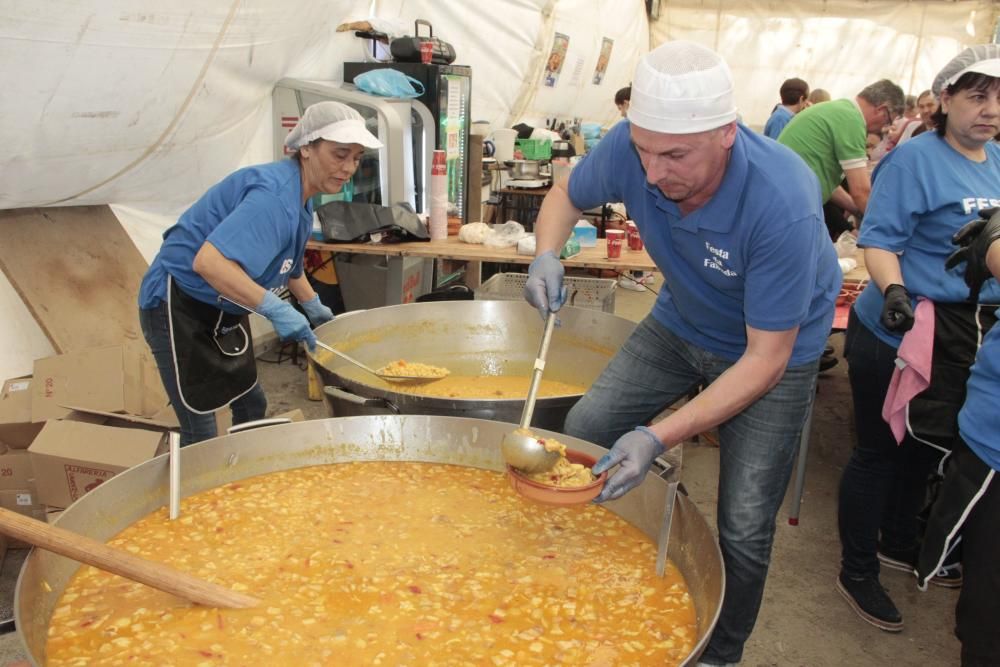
(932, 415)
(212, 350)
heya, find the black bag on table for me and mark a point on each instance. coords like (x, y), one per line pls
(356, 222)
(407, 49)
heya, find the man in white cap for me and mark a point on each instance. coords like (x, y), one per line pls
(233, 251)
(734, 222)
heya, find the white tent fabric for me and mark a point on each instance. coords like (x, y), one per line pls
(838, 45)
(144, 105)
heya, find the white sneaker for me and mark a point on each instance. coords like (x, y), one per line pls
(634, 284)
(648, 278)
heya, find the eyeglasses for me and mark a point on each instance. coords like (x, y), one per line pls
(888, 116)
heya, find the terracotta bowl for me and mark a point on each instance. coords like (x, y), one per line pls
(555, 495)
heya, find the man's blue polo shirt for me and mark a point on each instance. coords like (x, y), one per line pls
(757, 253)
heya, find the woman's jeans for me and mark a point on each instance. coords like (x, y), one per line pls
(884, 485)
(195, 427)
(757, 448)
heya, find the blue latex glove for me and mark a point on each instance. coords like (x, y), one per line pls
(289, 323)
(543, 289)
(316, 312)
(635, 452)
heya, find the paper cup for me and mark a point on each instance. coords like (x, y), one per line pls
(426, 52)
(632, 236)
(616, 238)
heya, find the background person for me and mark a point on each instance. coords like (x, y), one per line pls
(818, 95)
(831, 139)
(727, 317)
(622, 98)
(968, 504)
(243, 241)
(925, 191)
(794, 98)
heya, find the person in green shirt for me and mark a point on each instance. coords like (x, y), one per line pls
(831, 138)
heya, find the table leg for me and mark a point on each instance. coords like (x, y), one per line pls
(473, 274)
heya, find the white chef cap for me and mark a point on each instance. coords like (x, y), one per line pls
(682, 88)
(981, 58)
(332, 121)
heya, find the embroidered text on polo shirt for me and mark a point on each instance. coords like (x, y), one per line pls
(716, 259)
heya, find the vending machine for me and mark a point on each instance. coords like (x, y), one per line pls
(447, 94)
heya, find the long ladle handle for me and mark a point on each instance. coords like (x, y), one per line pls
(536, 376)
(86, 550)
(346, 357)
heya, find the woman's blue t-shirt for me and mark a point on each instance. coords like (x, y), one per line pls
(979, 420)
(255, 217)
(923, 192)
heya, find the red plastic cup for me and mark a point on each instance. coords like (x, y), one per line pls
(632, 234)
(615, 238)
(426, 52)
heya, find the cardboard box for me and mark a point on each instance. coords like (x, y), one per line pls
(15, 469)
(117, 378)
(16, 429)
(70, 457)
(295, 415)
(53, 513)
(22, 501)
(223, 419)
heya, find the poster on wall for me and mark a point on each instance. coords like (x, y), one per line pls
(602, 60)
(556, 59)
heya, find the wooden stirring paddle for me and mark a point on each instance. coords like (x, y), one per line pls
(89, 551)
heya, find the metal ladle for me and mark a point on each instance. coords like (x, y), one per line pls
(384, 376)
(520, 448)
(345, 357)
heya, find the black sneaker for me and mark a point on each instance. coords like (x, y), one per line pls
(948, 576)
(826, 362)
(870, 601)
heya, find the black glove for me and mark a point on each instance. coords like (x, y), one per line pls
(897, 313)
(974, 239)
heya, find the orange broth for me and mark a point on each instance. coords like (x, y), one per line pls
(383, 563)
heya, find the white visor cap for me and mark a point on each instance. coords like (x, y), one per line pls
(682, 88)
(981, 59)
(332, 121)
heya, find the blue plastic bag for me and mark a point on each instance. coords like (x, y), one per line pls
(389, 83)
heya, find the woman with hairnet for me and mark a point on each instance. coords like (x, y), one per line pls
(924, 191)
(234, 251)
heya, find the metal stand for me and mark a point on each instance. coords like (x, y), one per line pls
(800, 469)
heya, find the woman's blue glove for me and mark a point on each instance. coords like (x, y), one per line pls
(316, 312)
(288, 322)
(635, 452)
(543, 289)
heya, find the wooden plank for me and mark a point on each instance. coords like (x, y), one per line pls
(452, 248)
(77, 271)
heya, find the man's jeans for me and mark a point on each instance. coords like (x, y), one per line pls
(757, 448)
(252, 405)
